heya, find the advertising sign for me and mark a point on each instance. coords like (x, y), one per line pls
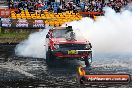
(5, 22)
(6, 12)
(22, 23)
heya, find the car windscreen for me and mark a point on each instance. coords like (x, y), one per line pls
(60, 33)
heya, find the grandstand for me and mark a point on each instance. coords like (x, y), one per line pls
(51, 18)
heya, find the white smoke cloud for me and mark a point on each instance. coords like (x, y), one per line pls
(108, 34)
(34, 46)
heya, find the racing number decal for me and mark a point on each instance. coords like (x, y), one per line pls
(72, 52)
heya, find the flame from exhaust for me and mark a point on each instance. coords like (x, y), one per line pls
(81, 71)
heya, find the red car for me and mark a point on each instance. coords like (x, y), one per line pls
(63, 44)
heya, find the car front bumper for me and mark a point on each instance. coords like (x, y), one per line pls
(72, 53)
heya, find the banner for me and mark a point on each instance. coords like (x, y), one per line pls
(22, 23)
(6, 22)
(38, 23)
(6, 12)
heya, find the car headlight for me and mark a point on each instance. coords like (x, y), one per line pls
(87, 46)
(56, 46)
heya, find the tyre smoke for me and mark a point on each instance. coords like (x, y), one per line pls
(110, 33)
(34, 46)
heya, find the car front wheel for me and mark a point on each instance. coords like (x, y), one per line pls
(49, 58)
(87, 60)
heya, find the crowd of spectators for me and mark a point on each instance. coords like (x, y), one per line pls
(90, 5)
(45, 5)
(97, 5)
(117, 4)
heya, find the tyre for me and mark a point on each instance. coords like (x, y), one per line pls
(82, 80)
(87, 64)
(87, 60)
(49, 58)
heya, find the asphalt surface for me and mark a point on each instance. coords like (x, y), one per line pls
(25, 72)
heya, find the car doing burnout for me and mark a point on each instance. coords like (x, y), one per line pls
(63, 44)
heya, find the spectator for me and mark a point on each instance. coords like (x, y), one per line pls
(20, 5)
